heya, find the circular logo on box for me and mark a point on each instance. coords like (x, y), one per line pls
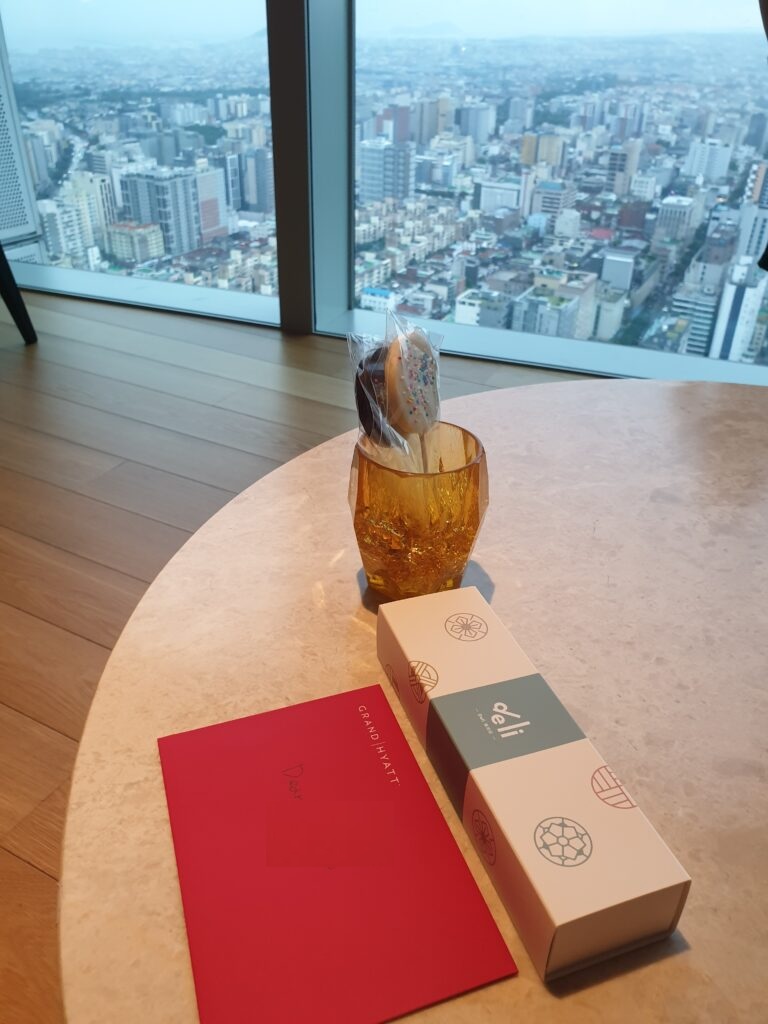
(390, 673)
(484, 836)
(466, 626)
(563, 841)
(422, 678)
(606, 785)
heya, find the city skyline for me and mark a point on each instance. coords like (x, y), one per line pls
(562, 18)
(610, 193)
(64, 24)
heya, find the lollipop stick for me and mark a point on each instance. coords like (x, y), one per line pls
(424, 454)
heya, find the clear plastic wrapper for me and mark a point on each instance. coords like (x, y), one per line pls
(397, 391)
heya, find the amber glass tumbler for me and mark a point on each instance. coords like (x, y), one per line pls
(416, 530)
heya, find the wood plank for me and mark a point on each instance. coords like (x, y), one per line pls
(169, 498)
(71, 592)
(122, 540)
(49, 458)
(280, 377)
(213, 464)
(166, 497)
(250, 432)
(328, 420)
(125, 366)
(41, 369)
(37, 838)
(34, 760)
(29, 965)
(47, 673)
(258, 341)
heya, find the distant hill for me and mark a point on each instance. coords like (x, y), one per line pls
(436, 30)
(255, 42)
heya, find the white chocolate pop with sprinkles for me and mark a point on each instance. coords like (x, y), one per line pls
(411, 374)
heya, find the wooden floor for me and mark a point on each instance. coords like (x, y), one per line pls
(121, 432)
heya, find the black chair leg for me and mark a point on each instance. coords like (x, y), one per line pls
(13, 300)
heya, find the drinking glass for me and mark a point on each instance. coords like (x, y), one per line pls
(416, 530)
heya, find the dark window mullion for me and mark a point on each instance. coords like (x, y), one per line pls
(287, 22)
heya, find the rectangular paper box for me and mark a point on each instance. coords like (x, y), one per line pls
(581, 870)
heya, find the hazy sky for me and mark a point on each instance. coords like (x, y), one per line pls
(30, 24)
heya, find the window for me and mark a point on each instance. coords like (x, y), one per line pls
(149, 151)
(588, 181)
(576, 185)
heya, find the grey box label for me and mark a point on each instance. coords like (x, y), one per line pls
(494, 723)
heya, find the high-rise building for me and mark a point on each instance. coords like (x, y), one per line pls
(99, 160)
(551, 151)
(756, 190)
(707, 268)
(609, 311)
(63, 229)
(482, 308)
(590, 112)
(568, 224)
(168, 198)
(258, 180)
(38, 160)
(643, 186)
(425, 121)
(230, 165)
(551, 197)
(675, 217)
(135, 243)
(540, 311)
(395, 122)
(212, 203)
(737, 316)
(617, 179)
(709, 158)
(529, 145)
(753, 230)
(248, 179)
(617, 270)
(265, 181)
(445, 114)
(569, 286)
(501, 192)
(753, 225)
(756, 132)
(477, 120)
(520, 114)
(622, 166)
(95, 194)
(51, 136)
(698, 306)
(387, 171)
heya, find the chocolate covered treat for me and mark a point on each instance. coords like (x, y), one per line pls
(371, 395)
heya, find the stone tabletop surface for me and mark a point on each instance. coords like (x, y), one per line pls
(625, 547)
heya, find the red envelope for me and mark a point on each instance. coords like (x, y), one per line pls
(319, 879)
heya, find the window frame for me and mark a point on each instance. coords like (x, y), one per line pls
(312, 48)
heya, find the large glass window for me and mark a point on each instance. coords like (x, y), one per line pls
(146, 132)
(592, 172)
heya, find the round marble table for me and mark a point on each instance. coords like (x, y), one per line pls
(625, 546)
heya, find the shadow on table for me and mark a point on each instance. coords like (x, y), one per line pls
(474, 576)
(587, 977)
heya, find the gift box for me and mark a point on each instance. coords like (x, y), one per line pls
(581, 870)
